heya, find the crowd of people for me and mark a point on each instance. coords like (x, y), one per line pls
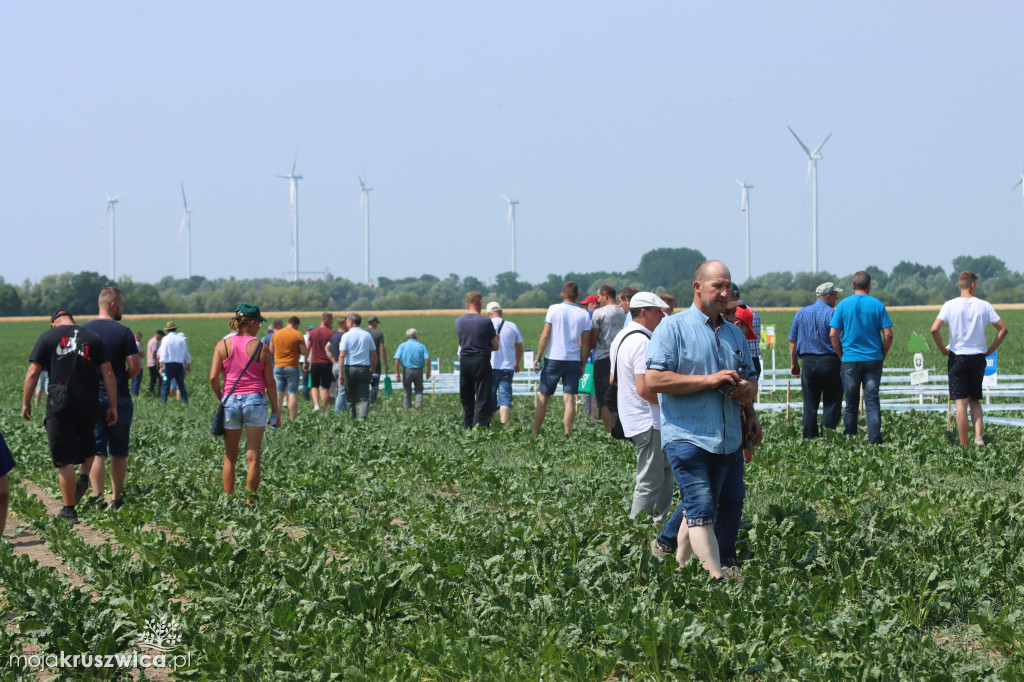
(679, 386)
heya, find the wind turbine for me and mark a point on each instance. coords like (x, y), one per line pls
(111, 201)
(293, 181)
(1019, 183)
(745, 209)
(812, 162)
(511, 225)
(186, 227)
(364, 198)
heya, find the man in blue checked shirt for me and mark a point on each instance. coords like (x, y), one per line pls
(701, 366)
(809, 341)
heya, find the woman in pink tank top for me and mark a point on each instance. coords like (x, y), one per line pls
(248, 385)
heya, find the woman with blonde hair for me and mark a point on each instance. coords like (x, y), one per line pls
(248, 383)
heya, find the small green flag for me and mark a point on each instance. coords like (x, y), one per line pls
(917, 344)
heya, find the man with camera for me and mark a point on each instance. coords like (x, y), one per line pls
(701, 364)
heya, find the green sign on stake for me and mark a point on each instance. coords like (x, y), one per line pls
(917, 344)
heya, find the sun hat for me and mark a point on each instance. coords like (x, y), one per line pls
(249, 310)
(494, 307)
(827, 288)
(171, 327)
(645, 299)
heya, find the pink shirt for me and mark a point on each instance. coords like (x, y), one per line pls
(252, 381)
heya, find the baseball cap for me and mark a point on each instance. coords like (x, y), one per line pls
(371, 319)
(645, 299)
(746, 315)
(494, 307)
(310, 328)
(827, 288)
(588, 300)
(60, 312)
(249, 310)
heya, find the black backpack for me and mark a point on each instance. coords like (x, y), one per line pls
(611, 396)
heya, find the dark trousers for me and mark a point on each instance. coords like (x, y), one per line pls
(154, 378)
(730, 509)
(374, 385)
(475, 390)
(820, 378)
(173, 370)
(357, 390)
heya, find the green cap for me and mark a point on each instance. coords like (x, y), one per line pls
(249, 310)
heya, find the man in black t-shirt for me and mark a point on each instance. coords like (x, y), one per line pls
(123, 353)
(72, 355)
(477, 339)
(382, 355)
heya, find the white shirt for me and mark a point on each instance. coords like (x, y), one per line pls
(174, 348)
(967, 319)
(608, 320)
(568, 322)
(630, 357)
(505, 356)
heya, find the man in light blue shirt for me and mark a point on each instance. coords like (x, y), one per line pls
(356, 355)
(412, 356)
(861, 335)
(701, 366)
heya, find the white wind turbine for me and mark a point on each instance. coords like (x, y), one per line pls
(364, 201)
(293, 181)
(510, 224)
(186, 227)
(111, 202)
(745, 209)
(812, 162)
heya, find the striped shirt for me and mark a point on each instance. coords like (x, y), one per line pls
(810, 329)
(687, 343)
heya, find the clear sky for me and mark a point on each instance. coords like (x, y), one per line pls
(617, 125)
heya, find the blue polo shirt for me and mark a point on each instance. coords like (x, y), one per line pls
(687, 343)
(861, 319)
(413, 354)
(810, 329)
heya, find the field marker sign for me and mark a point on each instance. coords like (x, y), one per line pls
(920, 374)
(991, 377)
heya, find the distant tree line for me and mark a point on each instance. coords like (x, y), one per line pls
(661, 270)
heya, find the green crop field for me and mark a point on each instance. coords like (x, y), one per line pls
(408, 548)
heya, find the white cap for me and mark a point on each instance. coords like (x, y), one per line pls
(645, 299)
(493, 307)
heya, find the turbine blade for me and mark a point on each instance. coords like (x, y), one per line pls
(296, 161)
(802, 145)
(738, 182)
(182, 228)
(504, 197)
(818, 149)
(116, 196)
(183, 196)
(1019, 183)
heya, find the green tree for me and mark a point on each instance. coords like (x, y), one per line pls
(10, 301)
(665, 267)
(985, 267)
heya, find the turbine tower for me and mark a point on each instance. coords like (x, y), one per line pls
(186, 227)
(510, 224)
(293, 181)
(812, 163)
(364, 199)
(111, 201)
(745, 209)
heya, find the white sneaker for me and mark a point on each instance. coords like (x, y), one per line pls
(316, 408)
(979, 441)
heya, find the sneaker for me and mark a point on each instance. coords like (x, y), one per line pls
(979, 441)
(659, 550)
(732, 573)
(80, 488)
(116, 504)
(98, 502)
(69, 515)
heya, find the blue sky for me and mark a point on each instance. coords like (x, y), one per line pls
(617, 125)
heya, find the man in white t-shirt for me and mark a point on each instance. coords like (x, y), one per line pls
(565, 329)
(638, 407)
(607, 321)
(967, 317)
(505, 361)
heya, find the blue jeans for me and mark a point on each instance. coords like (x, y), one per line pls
(730, 509)
(870, 374)
(173, 371)
(287, 380)
(136, 384)
(113, 440)
(501, 395)
(699, 476)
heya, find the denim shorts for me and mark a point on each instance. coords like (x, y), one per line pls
(113, 440)
(287, 379)
(699, 475)
(43, 385)
(502, 379)
(249, 409)
(566, 370)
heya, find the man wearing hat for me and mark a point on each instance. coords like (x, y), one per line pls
(76, 359)
(505, 361)
(820, 378)
(175, 362)
(754, 342)
(372, 322)
(591, 303)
